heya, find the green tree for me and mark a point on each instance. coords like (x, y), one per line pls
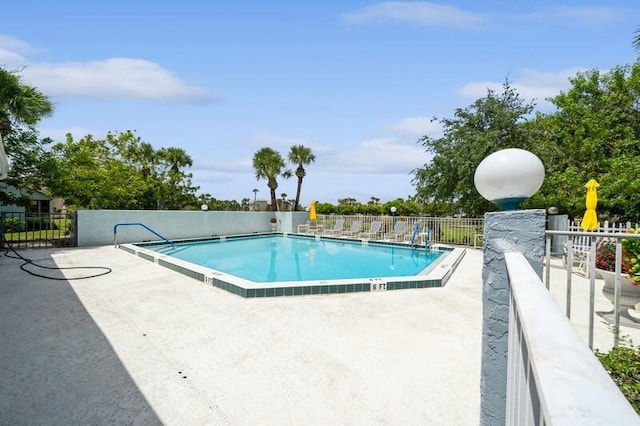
(347, 201)
(595, 133)
(93, 177)
(20, 103)
(141, 156)
(32, 164)
(178, 191)
(269, 165)
(245, 204)
(302, 156)
(121, 172)
(255, 194)
(175, 158)
(21, 107)
(491, 123)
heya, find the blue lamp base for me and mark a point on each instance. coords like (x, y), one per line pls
(509, 203)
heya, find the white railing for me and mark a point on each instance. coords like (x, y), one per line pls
(588, 250)
(553, 378)
(446, 230)
(605, 226)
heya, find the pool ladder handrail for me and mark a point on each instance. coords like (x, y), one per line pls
(416, 233)
(115, 230)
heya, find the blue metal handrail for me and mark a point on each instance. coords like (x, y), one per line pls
(115, 229)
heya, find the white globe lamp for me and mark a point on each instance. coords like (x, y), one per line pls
(508, 177)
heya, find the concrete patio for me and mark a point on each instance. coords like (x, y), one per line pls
(145, 345)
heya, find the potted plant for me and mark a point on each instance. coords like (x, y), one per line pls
(274, 224)
(630, 270)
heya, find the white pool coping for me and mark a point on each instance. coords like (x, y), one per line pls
(435, 275)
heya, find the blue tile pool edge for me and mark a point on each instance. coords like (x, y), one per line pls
(436, 275)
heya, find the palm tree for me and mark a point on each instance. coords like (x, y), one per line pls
(245, 204)
(301, 156)
(268, 165)
(175, 189)
(20, 102)
(255, 193)
(145, 157)
(284, 200)
(636, 40)
(175, 158)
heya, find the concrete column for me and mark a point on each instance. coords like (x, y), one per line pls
(510, 231)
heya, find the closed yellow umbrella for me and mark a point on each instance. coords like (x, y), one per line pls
(312, 211)
(590, 219)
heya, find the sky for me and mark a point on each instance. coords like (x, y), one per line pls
(358, 82)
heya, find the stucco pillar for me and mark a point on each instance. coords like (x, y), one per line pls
(510, 231)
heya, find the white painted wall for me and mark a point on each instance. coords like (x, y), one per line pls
(95, 227)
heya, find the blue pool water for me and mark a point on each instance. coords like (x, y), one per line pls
(279, 258)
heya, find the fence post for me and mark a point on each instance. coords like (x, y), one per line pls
(2, 215)
(521, 231)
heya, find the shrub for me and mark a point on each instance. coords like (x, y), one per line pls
(623, 365)
(13, 224)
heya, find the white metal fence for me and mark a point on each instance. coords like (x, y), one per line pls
(447, 230)
(553, 377)
(605, 226)
(586, 252)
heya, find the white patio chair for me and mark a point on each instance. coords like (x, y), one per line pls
(398, 232)
(373, 232)
(337, 228)
(356, 227)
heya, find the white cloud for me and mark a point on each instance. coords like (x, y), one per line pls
(441, 15)
(12, 46)
(571, 16)
(387, 154)
(10, 59)
(277, 142)
(60, 135)
(477, 89)
(381, 164)
(416, 127)
(242, 165)
(376, 155)
(531, 84)
(423, 13)
(114, 78)
(111, 78)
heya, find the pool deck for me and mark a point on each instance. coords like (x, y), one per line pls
(146, 345)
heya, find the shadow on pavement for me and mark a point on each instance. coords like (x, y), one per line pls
(57, 365)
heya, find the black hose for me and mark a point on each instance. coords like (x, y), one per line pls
(55, 268)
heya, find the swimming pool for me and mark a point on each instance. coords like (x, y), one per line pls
(289, 265)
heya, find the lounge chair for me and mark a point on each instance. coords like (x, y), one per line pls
(356, 227)
(373, 232)
(337, 228)
(309, 228)
(398, 232)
